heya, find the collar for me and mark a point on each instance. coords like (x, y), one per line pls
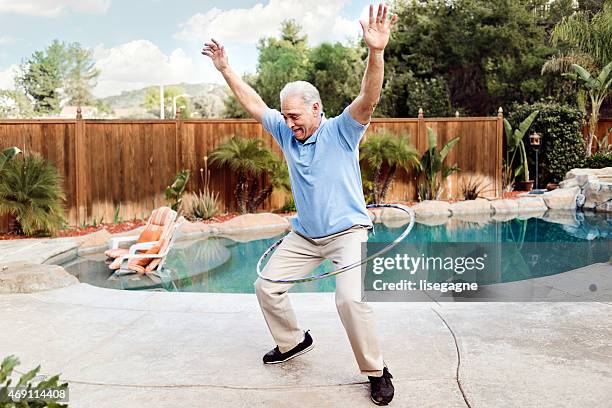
(313, 138)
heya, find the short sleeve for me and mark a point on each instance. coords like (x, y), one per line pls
(272, 121)
(349, 129)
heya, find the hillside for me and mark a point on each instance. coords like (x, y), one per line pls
(206, 100)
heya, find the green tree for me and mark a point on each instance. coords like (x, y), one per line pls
(489, 53)
(61, 71)
(81, 76)
(336, 71)
(280, 61)
(41, 79)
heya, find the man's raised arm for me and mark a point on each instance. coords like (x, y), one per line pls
(376, 36)
(248, 98)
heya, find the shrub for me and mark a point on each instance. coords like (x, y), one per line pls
(563, 146)
(174, 193)
(30, 190)
(25, 385)
(599, 160)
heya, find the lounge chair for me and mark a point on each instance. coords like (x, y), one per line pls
(160, 219)
(153, 259)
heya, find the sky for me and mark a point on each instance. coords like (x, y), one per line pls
(138, 43)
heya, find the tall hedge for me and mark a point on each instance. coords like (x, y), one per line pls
(563, 147)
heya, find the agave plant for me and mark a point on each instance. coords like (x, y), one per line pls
(30, 190)
(385, 154)
(202, 206)
(433, 170)
(250, 160)
(514, 146)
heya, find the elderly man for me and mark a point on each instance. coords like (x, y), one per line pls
(332, 220)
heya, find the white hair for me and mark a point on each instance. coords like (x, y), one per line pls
(302, 89)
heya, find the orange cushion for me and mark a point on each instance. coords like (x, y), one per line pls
(145, 261)
(150, 234)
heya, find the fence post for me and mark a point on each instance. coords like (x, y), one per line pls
(421, 133)
(500, 153)
(80, 160)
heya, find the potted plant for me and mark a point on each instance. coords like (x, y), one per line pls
(514, 146)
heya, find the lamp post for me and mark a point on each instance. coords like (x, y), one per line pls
(535, 140)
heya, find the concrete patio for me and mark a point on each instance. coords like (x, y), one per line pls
(160, 349)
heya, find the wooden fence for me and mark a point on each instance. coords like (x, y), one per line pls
(114, 164)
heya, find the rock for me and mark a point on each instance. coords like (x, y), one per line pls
(568, 183)
(504, 206)
(478, 206)
(531, 204)
(561, 199)
(605, 172)
(24, 277)
(596, 193)
(253, 222)
(431, 208)
(582, 179)
(94, 240)
(254, 234)
(189, 228)
(387, 214)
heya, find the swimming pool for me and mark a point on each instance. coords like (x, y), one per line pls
(221, 265)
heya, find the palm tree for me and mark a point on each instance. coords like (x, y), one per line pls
(385, 154)
(598, 90)
(30, 190)
(7, 154)
(249, 159)
(587, 40)
(433, 169)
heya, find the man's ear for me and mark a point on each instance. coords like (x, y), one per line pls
(316, 108)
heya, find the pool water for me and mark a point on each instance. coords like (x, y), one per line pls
(222, 265)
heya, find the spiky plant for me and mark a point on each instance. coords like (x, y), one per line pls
(200, 206)
(31, 190)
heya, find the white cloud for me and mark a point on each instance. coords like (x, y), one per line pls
(7, 77)
(141, 63)
(320, 20)
(7, 40)
(52, 8)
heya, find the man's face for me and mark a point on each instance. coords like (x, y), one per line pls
(303, 120)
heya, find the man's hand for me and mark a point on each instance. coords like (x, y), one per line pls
(217, 54)
(376, 31)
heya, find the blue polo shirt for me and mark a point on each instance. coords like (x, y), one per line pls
(324, 172)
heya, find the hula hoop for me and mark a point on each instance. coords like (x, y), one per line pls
(403, 235)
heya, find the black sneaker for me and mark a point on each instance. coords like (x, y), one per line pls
(274, 356)
(382, 388)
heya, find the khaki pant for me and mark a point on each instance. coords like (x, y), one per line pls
(297, 256)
